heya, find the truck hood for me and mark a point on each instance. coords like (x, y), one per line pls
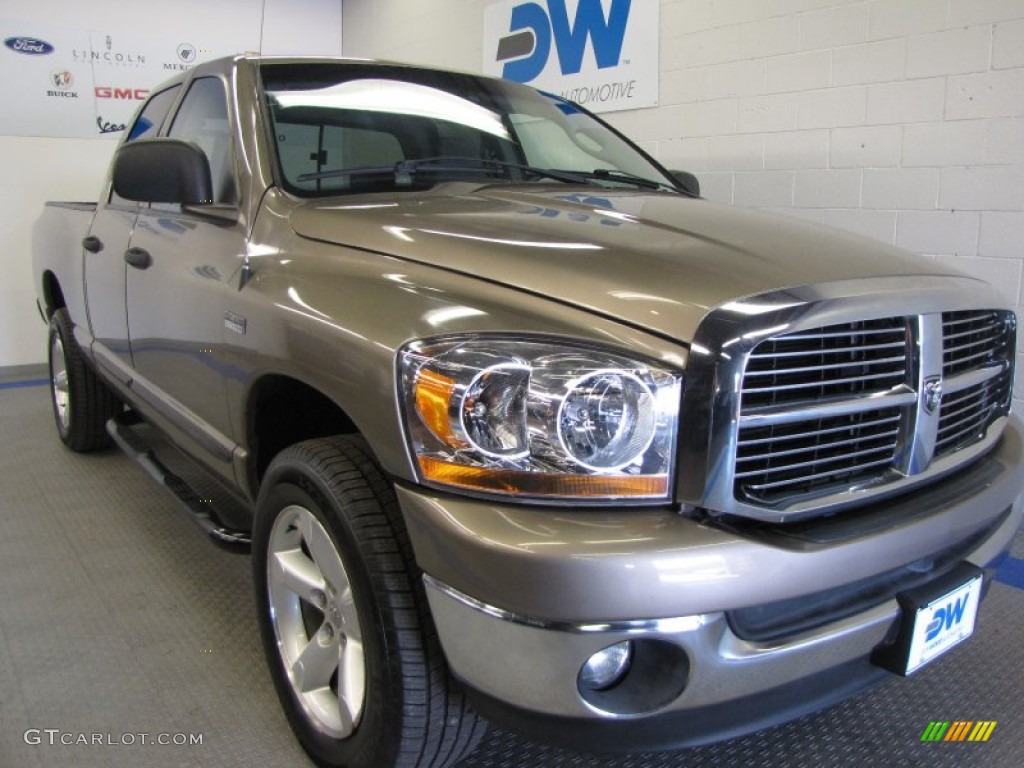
(658, 261)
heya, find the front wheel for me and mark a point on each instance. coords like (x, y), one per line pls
(351, 645)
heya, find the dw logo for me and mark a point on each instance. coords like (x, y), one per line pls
(945, 617)
(527, 48)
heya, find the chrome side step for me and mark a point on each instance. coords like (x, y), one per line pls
(202, 513)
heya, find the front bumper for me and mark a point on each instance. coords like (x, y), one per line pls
(523, 596)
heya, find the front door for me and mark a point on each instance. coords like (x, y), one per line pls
(184, 267)
(105, 270)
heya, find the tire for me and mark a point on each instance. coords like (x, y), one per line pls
(82, 404)
(351, 646)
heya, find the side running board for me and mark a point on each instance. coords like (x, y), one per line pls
(202, 513)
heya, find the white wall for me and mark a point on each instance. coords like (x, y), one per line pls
(40, 169)
(899, 119)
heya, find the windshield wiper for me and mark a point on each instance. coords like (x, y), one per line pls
(612, 174)
(404, 170)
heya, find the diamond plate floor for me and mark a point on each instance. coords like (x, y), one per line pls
(118, 618)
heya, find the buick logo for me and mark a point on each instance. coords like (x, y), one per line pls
(932, 394)
(29, 45)
(62, 79)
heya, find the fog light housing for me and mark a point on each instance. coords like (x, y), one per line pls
(606, 667)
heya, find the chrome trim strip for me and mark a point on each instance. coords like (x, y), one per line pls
(678, 624)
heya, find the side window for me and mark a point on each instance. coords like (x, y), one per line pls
(203, 119)
(147, 125)
(152, 116)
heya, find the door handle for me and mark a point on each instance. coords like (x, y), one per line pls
(92, 244)
(138, 258)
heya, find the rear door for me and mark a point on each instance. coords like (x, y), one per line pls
(187, 266)
(105, 246)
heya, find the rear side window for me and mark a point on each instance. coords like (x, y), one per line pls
(203, 119)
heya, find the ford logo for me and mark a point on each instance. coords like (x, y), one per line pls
(28, 45)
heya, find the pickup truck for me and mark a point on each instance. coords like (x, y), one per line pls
(524, 430)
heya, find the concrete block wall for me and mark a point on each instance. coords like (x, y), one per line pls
(902, 120)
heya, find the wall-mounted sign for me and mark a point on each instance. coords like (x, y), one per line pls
(66, 82)
(602, 54)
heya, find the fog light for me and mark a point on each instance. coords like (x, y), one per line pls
(606, 667)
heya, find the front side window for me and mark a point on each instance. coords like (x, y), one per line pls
(203, 119)
(351, 127)
(147, 124)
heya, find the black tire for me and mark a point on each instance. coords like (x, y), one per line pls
(82, 404)
(413, 714)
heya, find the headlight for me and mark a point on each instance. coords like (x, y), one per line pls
(540, 419)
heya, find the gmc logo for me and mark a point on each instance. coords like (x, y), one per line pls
(137, 94)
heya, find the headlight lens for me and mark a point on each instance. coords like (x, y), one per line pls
(540, 418)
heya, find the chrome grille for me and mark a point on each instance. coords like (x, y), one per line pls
(786, 447)
(826, 409)
(976, 367)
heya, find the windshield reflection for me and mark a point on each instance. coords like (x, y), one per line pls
(356, 127)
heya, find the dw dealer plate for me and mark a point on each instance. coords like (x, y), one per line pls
(935, 618)
(943, 623)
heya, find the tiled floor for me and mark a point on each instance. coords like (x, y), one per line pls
(118, 618)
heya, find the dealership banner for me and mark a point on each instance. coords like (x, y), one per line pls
(602, 54)
(66, 82)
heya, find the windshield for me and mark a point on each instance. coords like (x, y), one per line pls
(353, 127)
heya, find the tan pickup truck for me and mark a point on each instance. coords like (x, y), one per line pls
(523, 428)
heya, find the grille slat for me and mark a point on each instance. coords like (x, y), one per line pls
(812, 433)
(807, 454)
(825, 333)
(823, 476)
(828, 382)
(836, 351)
(901, 359)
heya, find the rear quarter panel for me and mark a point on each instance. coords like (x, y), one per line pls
(57, 252)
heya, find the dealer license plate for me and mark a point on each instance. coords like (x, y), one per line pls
(943, 623)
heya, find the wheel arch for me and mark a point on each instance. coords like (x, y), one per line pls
(281, 411)
(53, 295)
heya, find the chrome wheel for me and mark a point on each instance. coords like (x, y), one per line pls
(59, 382)
(315, 621)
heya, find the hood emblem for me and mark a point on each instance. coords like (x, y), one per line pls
(932, 394)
